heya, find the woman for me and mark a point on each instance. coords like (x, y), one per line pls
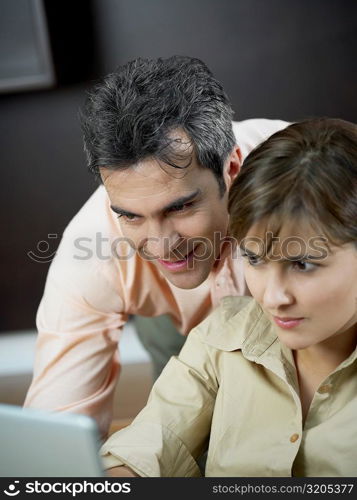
(268, 384)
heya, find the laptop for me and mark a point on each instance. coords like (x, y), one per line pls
(36, 443)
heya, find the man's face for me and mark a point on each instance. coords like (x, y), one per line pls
(173, 217)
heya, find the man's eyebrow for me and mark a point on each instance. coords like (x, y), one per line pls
(179, 201)
(121, 211)
(182, 200)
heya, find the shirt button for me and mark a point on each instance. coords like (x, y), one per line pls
(294, 437)
(325, 388)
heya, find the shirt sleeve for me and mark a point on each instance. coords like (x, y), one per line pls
(172, 431)
(79, 321)
(250, 133)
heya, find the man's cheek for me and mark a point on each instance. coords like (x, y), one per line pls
(200, 226)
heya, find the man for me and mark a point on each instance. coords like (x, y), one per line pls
(158, 134)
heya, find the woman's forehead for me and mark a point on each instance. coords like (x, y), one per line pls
(290, 238)
(284, 228)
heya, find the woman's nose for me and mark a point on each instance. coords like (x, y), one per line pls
(276, 292)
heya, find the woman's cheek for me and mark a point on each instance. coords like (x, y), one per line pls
(255, 285)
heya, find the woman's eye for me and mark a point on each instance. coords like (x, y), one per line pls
(303, 266)
(254, 260)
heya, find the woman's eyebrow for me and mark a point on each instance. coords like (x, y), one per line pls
(305, 256)
(248, 252)
(292, 258)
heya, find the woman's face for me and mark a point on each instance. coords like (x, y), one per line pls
(308, 291)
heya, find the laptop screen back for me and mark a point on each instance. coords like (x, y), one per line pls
(35, 443)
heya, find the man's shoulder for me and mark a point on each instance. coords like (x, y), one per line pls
(93, 237)
(250, 133)
(87, 240)
(86, 266)
(94, 215)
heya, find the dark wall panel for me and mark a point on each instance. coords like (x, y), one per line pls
(276, 58)
(43, 183)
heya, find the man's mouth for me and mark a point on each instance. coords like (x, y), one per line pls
(177, 265)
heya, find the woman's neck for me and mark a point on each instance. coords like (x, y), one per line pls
(326, 356)
(315, 363)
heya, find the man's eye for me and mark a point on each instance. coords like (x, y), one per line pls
(127, 217)
(181, 208)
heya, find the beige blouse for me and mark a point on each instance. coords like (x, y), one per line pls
(234, 389)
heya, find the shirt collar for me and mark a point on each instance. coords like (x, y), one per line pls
(240, 323)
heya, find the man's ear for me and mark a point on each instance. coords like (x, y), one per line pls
(232, 166)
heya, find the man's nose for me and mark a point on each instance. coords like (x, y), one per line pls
(277, 292)
(161, 242)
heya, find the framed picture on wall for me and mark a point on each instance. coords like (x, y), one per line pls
(25, 53)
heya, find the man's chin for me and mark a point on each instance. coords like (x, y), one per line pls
(186, 280)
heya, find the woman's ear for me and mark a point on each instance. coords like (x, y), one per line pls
(232, 166)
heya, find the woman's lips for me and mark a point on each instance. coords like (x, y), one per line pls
(287, 323)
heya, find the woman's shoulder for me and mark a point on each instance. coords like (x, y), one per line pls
(227, 327)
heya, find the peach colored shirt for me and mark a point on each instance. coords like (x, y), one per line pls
(94, 282)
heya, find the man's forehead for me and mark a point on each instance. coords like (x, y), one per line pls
(180, 138)
(177, 145)
(147, 179)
